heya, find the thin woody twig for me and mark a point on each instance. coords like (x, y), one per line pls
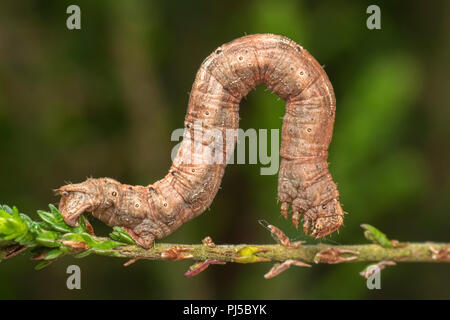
(413, 252)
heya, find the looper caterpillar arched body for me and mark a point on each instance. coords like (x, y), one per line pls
(224, 78)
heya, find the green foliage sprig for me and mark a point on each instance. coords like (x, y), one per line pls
(52, 238)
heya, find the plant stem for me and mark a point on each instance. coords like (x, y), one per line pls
(411, 252)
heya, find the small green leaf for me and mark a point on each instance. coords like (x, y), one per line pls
(41, 265)
(48, 239)
(7, 209)
(81, 225)
(53, 254)
(83, 254)
(107, 245)
(54, 220)
(88, 239)
(47, 217)
(64, 249)
(60, 223)
(13, 227)
(58, 216)
(73, 237)
(26, 239)
(376, 236)
(119, 234)
(34, 227)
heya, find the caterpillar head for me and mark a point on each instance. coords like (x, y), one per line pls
(90, 195)
(324, 219)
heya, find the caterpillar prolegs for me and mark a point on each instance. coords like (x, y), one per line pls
(224, 78)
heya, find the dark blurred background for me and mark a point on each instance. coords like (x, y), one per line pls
(103, 101)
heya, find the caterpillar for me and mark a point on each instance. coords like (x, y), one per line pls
(226, 76)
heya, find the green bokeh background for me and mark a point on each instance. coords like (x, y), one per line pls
(103, 101)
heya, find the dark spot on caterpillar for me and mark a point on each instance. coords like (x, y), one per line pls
(130, 188)
(151, 189)
(188, 125)
(324, 206)
(165, 204)
(299, 49)
(241, 58)
(309, 129)
(207, 113)
(302, 73)
(218, 51)
(114, 193)
(172, 172)
(193, 170)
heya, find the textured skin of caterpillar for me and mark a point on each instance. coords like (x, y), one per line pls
(224, 78)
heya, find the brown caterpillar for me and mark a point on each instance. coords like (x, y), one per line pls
(224, 78)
